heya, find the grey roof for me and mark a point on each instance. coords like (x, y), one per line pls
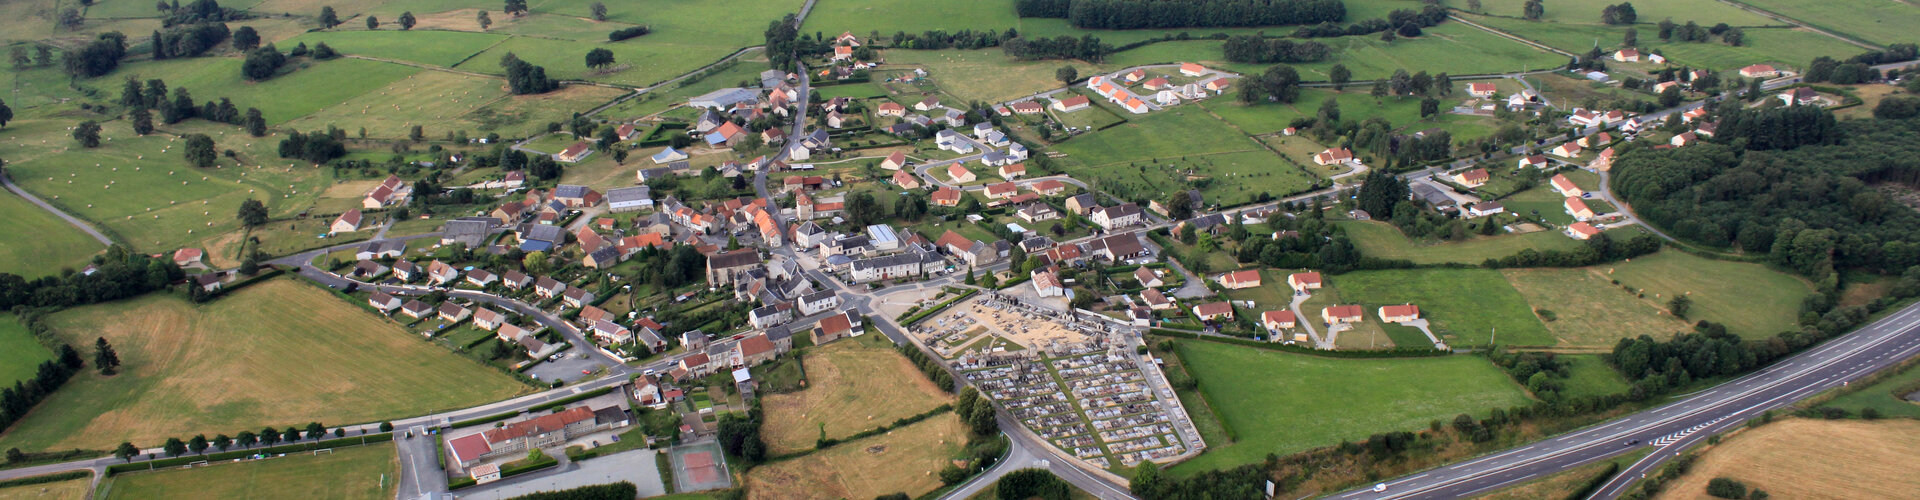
(384, 246)
(779, 333)
(1205, 222)
(737, 258)
(1432, 195)
(885, 261)
(627, 194)
(901, 128)
(655, 173)
(543, 232)
(605, 254)
(570, 191)
(1121, 210)
(817, 296)
(724, 98)
(809, 228)
(763, 312)
(469, 230)
(772, 78)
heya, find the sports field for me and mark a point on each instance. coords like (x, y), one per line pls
(1589, 310)
(276, 353)
(72, 489)
(1465, 306)
(1856, 459)
(20, 354)
(1301, 402)
(852, 385)
(55, 245)
(906, 460)
(1380, 239)
(359, 472)
(1753, 301)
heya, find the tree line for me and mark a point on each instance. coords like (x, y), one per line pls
(612, 491)
(1859, 68)
(1256, 49)
(1143, 14)
(314, 147)
(267, 437)
(17, 401)
(1405, 20)
(1086, 48)
(118, 274)
(1693, 32)
(526, 78)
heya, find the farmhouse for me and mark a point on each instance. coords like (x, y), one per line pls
(1236, 280)
(1582, 230)
(1213, 311)
(1565, 186)
(1400, 313)
(1341, 314)
(1072, 104)
(1482, 90)
(1472, 178)
(391, 191)
(574, 153)
(1277, 320)
(1759, 71)
(1578, 209)
(1333, 156)
(346, 223)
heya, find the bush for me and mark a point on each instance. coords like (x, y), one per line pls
(615, 491)
(1726, 488)
(625, 33)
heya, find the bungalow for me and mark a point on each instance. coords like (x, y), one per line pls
(1027, 108)
(454, 313)
(576, 296)
(441, 273)
(574, 153)
(1218, 85)
(906, 180)
(1400, 313)
(1759, 71)
(928, 104)
(625, 132)
(1048, 187)
(548, 288)
(1693, 114)
(1333, 156)
(1036, 212)
(1303, 281)
(1706, 129)
(1213, 310)
(416, 309)
(515, 280)
(1578, 209)
(959, 174)
(1072, 104)
(1014, 171)
(1627, 55)
(1166, 97)
(1002, 190)
(1191, 69)
(1485, 208)
(514, 179)
(946, 197)
(668, 155)
(1581, 230)
(1118, 247)
(1472, 178)
(1565, 186)
(894, 161)
(1341, 314)
(1157, 83)
(346, 223)
(1566, 150)
(488, 319)
(1277, 320)
(1135, 105)
(385, 303)
(1684, 139)
(481, 277)
(1236, 280)
(890, 109)
(1482, 90)
(1656, 59)
(1534, 161)
(1155, 300)
(1147, 277)
(189, 256)
(368, 269)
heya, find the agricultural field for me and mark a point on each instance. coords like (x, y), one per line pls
(369, 471)
(224, 366)
(1705, 12)
(317, 85)
(72, 489)
(905, 460)
(20, 354)
(1355, 105)
(747, 70)
(1451, 48)
(852, 385)
(55, 245)
(1877, 22)
(1753, 301)
(1465, 306)
(1858, 459)
(1303, 402)
(1152, 154)
(431, 47)
(986, 75)
(1778, 46)
(1589, 310)
(1591, 376)
(445, 102)
(1380, 239)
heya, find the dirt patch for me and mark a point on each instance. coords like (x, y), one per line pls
(453, 20)
(1855, 459)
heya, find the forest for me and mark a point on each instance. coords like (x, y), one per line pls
(1140, 14)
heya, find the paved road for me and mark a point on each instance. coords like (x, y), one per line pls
(1674, 426)
(76, 222)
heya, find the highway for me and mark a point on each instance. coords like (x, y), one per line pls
(1675, 426)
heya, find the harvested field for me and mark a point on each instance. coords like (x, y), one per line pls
(1590, 310)
(74, 489)
(1856, 459)
(906, 460)
(852, 386)
(344, 473)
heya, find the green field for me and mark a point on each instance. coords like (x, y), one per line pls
(359, 472)
(54, 245)
(276, 353)
(1355, 106)
(441, 102)
(1778, 46)
(1591, 376)
(1380, 239)
(1877, 22)
(984, 75)
(1753, 301)
(285, 97)
(1465, 306)
(1300, 402)
(1150, 155)
(438, 48)
(747, 70)
(1705, 12)
(1882, 396)
(1451, 48)
(20, 354)
(1588, 309)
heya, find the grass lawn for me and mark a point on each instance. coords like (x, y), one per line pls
(1355, 104)
(346, 473)
(229, 365)
(433, 47)
(1543, 201)
(1753, 301)
(1856, 459)
(1591, 376)
(55, 245)
(73, 489)
(1878, 22)
(316, 85)
(1568, 91)
(1882, 396)
(553, 143)
(983, 75)
(906, 460)
(1300, 402)
(20, 354)
(1590, 310)
(1272, 294)
(852, 385)
(1380, 239)
(1465, 306)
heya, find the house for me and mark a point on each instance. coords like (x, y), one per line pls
(1191, 69)
(1065, 255)
(836, 327)
(548, 288)
(368, 269)
(1002, 190)
(1303, 281)
(1014, 171)
(576, 297)
(626, 132)
(1759, 71)
(890, 109)
(1148, 278)
(1046, 282)
(1115, 217)
(189, 256)
(768, 316)
(668, 155)
(946, 197)
(603, 257)
(1082, 204)
(1627, 55)
(906, 180)
(1277, 320)
(1027, 108)
(441, 273)
(724, 98)
(1581, 230)
(1118, 247)
(1485, 208)
(509, 211)
(488, 319)
(1662, 87)
(1218, 85)
(1400, 313)
(346, 223)
(1534, 161)
(544, 431)
(1341, 314)
(1800, 97)
(1482, 90)
(817, 302)
(416, 309)
(1048, 187)
(1155, 300)
(385, 303)
(514, 179)
(1213, 311)
(1693, 114)
(1036, 212)
(1706, 129)
(1566, 150)
(928, 104)
(697, 365)
(1472, 178)
(391, 191)
(210, 281)
(1595, 140)
(1433, 197)
(405, 270)
(727, 134)
(899, 265)
(1565, 186)
(1236, 280)
(724, 268)
(959, 174)
(1333, 156)
(629, 199)
(1656, 59)
(574, 153)
(1578, 209)
(1602, 162)
(894, 161)
(453, 313)
(1072, 104)
(1157, 83)
(755, 349)
(1135, 105)
(842, 53)
(515, 280)
(481, 277)
(1684, 139)
(469, 231)
(576, 196)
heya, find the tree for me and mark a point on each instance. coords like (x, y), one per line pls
(1533, 10)
(373, 23)
(199, 151)
(130, 94)
(15, 456)
(269, 436)
(1473, 5)
(1429, 107)
(126, 451)
(19, 57)
(386, 427)
(88, 134)
(952, 474)
(174, 447)
(1339, 75)
(406, 20)
(1679, 305)
(328, 18)
(1066, 74)
(1726, 488)
(1735, 37)
(416, 133)
(599, 58)
(262, 62)
(1379, 88)
(6, 114)
(142, 121)
(515, 7)
(245, 39)
(981, 420)
(315, 430)
(246, 439)
(290, 435)
(1329, 111)
(71, 19)
(1180, 206)
(1631, 38)
(484, 19)
(104, 358)
(222, 442)
(535, 262)
(198, 444)
(599, 11)
(252, 212)
(255, 123)
(1032, 483)
(1670, 97)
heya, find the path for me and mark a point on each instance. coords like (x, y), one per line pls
(1306, 321)
(75, 221)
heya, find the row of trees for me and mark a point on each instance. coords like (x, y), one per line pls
(1693, 32)
(200, 11)
(118, 274)
(526, 78)
(1086, 48)
(16, 401)
(1859, 68)
(1407, 20)
(268, 436)
(1256, 49)
(1144, 14)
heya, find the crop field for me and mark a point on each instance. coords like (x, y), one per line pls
(852, 386)
(291, 95)
(985, 75)
(435, 47)
(20, 354)
(1753, 301)
(357, 472)
(1464, 306)
(906, 460)
(1302, 402)
(72, 489)
(1856, 459)
(1380, 239)
(226, 366)
(1589, 310)
(1878, 22)
(54, 244)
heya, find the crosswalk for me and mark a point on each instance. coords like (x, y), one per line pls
(1677, 436)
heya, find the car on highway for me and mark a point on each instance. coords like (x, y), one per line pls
(586, 372)
(1379, 487)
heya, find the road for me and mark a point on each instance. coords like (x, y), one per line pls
(76, 222)
(1673, 427)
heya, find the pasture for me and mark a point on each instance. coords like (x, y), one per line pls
(852, 385)
(1355, 105)
(1380, 239)
(20, 354)
(230, 365)
(432, 47)
(906, 460)
(1464, 306)
(1856, 459)
(1164, 151)
(358, 472)
(54, 245)
(1591, 376)
(1877, 22)
(1705, 12)
(1451, 48)
(1753, 301)
(1589, 310)
(1302, 402)
(317, 85)
(441, 102)
(985, 75)
(1777, 46)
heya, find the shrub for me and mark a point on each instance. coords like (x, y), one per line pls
(1726, 488)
